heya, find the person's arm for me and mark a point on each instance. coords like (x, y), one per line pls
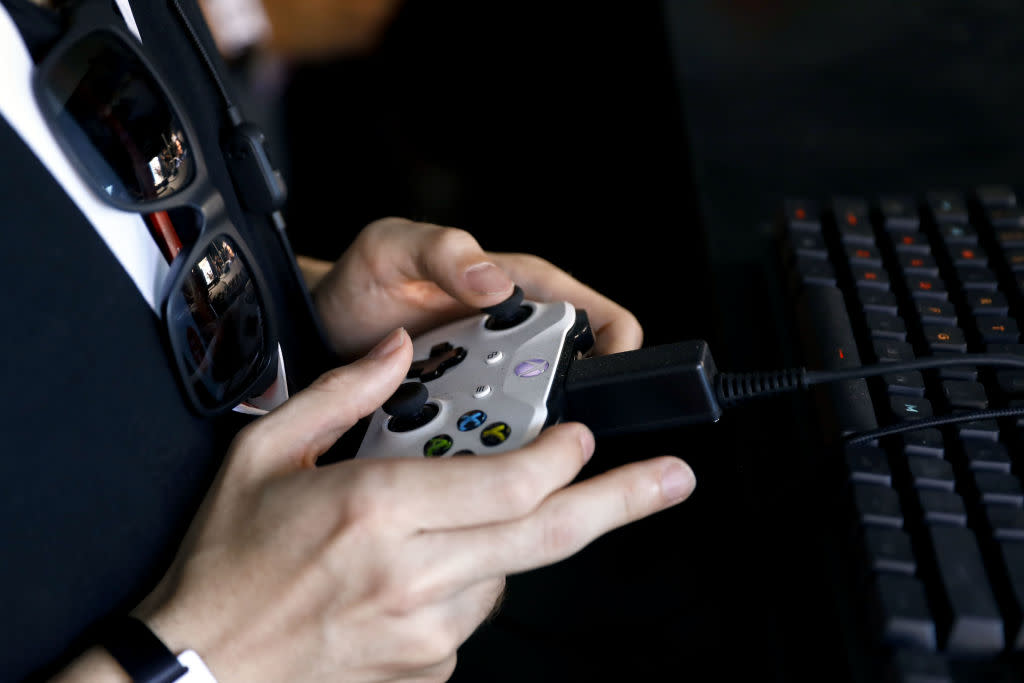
(378, 569)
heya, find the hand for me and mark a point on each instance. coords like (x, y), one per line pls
(417, 275)
(377, 570)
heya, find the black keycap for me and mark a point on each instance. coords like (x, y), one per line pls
(868, 464)
(928, 442)
(878, 300)
(868, 277)
(977, 279)
(899, 213)
(931, 473)
(850, 210)
(923, 288)
(991, 456)
(943, 338)
(987, 303)
(967, 373)
(995, 196)
(1006, 217)
(889, 550)
(904, 383)
(961, 394)
(909, 407)
(997, 487)
(958, 235)
(947, 206)
(888, 351)
(911, 243)
(812, 271)
(883, 326)
(918, 264)
(936, 312)
(1010, 238)
(808, 245)
(1010, 381)
(1015, 259)
(977, 429)
(998, 330)
(901, 611)
(863, 255)
(912, 665)
(963, 255)
(969, 619)
(876, 505)
(1012, 555)
(802, 214)
(822, 311)
(1004, 522)
(942, 507)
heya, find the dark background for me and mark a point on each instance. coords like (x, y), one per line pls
(644, 147)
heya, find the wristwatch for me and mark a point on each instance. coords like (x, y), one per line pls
(147, 659)
(197, 672)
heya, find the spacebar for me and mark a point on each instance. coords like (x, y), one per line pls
(845, 407)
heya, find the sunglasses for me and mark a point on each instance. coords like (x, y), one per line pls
(120, 126)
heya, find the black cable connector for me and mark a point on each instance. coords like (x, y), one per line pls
(656, 387)
(667, 386)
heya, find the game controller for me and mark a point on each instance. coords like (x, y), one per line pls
(484, 384)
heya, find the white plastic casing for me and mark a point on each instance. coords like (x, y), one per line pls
(492, 356)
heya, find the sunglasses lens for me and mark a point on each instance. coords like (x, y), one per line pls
(218, 326)
(112, 113)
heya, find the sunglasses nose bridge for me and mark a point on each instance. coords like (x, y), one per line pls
(211, 206)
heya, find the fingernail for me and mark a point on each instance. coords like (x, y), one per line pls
(487, 278)
(587, 444)
(677, 482)
(388, 345)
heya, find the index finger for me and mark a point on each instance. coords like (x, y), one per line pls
(467, 491)
(563, 525)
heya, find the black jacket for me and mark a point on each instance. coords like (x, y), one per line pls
(102, 463)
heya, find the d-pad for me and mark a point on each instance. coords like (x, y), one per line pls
(442, 357)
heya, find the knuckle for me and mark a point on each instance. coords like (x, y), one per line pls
(332, 380)
(446, 669)
(366, 489)
(448, 240)
(560, 533)
(435, 645)
(518, 492)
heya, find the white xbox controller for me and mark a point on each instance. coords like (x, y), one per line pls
(485, 384)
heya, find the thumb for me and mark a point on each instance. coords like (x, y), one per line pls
(299, 431)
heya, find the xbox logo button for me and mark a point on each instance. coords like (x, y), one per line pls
(532, 367)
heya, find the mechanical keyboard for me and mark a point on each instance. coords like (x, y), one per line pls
(930, 526)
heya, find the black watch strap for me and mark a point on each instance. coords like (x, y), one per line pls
(141, 653)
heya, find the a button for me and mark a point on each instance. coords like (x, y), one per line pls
(471, 420)
(495, 434)
(437, 446)
(494, 357)
(482, 391)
